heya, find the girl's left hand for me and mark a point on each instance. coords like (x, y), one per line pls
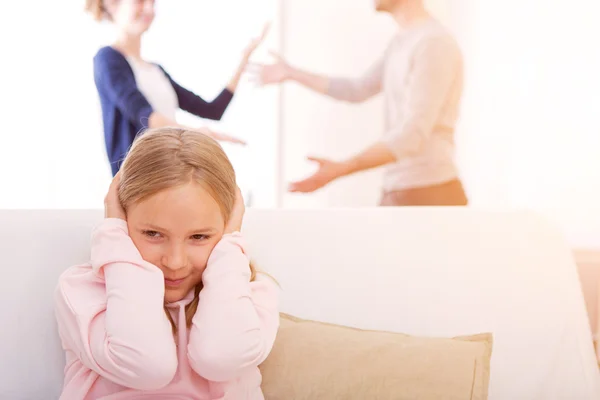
(237, 214)
(254, 43)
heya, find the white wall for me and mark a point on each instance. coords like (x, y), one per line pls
(530, 131)
(52, 149)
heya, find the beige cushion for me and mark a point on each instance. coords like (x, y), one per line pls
(314, 360)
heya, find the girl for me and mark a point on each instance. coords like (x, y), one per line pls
(134, 93)
(169, 306)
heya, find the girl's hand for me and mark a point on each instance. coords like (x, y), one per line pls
(237, 214)
(112, 205)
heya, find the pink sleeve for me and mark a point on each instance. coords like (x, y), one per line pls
(237, 320)
(110, 313)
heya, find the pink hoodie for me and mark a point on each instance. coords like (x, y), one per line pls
(119, 343)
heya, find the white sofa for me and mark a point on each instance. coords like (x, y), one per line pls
(429, 271)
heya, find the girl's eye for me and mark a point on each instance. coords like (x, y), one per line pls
(200, 237)
(152, 234)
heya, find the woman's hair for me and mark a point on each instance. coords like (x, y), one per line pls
(164, 158)
(96, 9)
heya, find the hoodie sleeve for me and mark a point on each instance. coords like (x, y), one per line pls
(237, 320)
(110, 313)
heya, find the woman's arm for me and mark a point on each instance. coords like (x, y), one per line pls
(252, 46)
(237, 320)
(215, 109)
(111, 315)
(196, 105)
(157, 120)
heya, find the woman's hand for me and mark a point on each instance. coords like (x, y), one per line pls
(221, 137)
(112, 205)
(248, 51)
(254, 43)
(237, 214)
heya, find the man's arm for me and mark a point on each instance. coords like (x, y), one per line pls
(375, 156)
(343, 89)
(356, 90)
(436, 64)
(310, 80)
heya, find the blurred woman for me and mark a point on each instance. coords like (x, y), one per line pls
(137, 94)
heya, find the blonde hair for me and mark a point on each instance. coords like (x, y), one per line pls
(96, 9)
(163, 158)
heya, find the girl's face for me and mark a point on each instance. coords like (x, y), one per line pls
(176, 230)
(133, 17)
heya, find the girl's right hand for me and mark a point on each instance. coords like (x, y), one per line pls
(112, 205)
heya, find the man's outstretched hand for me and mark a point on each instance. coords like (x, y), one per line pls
(327, 171)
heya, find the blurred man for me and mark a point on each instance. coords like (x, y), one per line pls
(421, 77)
